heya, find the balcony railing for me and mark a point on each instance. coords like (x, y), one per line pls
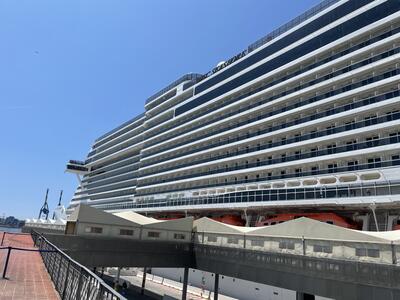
(209, 133)
(77, 168)
(344, 128)
(296, 21)
(335, 169)
(71, 279)
(267, 195)
(76, 162)
(187, 77)
(108, 134)
(251, 91)
(295, 157)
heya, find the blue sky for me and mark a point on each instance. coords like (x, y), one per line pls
(71, 70)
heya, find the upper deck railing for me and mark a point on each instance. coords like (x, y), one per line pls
(120, 127)
(187, 77)
(289, 25)
(274, 34)
(195, 77)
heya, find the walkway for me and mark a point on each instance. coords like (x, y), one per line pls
(27, 277)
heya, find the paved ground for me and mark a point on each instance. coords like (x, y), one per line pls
(159, 288)
(27, 277)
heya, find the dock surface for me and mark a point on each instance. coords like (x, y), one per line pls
(26, 276)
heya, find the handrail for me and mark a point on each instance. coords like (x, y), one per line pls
(267, 178)
(220, 170)
(232, 142)
(249, 91)
(71, 279)
(216, 198)
(249, 235)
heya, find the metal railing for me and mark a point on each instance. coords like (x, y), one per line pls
(71, 279)
(333, 168)
(251, 91)
(269, 195)
(377, 252)
(214, 132)
(317, 153)
(289, 25)
(21, 246)
(229, 140)
(77, 162)
(77, 168)
(108, 134)
(187, 77)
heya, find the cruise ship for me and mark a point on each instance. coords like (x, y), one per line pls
(303, 122)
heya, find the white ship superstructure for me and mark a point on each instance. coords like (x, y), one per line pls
(307, 118)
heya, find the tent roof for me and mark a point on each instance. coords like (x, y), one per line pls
(301, 227)
(86, 213)
(183, 224)
(136, 218)
(313, 229)
(209, 225)
(393, 235)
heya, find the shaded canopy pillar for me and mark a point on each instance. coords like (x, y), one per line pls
(216, 286)
(185, 283)
(143, 281)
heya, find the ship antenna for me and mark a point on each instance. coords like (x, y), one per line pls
(59, 204)
(45, 208)
(59, 200)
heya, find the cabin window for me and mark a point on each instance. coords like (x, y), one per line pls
(322, 249)
(233, 240)
(91, 229)
(367, 252)
(286, 245)
(125, 232)
(179, 236)
(258, 243)
(153, 234)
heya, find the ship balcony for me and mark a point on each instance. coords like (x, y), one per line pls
(77, 167)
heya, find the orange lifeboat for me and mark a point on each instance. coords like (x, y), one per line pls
(230, 219)
(169, 217)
